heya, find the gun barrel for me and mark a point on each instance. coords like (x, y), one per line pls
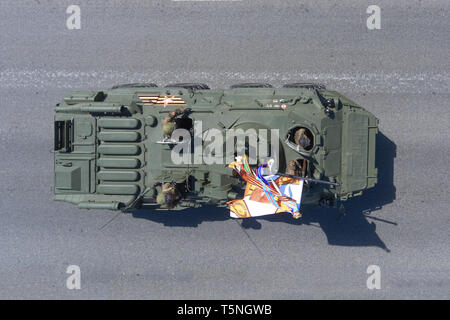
(309, 179)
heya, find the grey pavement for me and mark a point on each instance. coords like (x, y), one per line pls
(400, 73)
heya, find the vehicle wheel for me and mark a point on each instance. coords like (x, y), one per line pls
(189, 86)
(135, 85)
(251, 85)
(307, 85)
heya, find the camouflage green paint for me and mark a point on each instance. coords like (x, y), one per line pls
(107, 155)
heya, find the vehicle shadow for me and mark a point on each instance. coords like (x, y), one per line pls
(355, 228)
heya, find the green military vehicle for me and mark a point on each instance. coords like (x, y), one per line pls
(115, 149)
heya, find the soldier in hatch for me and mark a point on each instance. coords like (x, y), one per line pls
(301, 139)
(169, 123)
(293, 168)
(168, 196)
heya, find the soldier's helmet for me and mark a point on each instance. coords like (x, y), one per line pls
(302, 139)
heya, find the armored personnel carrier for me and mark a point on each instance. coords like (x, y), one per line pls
(119, 148)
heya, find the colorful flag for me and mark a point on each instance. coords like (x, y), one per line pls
(265, 195)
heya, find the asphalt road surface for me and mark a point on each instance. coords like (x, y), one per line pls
(400, 73)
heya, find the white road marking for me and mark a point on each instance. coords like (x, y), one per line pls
(393, 82)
